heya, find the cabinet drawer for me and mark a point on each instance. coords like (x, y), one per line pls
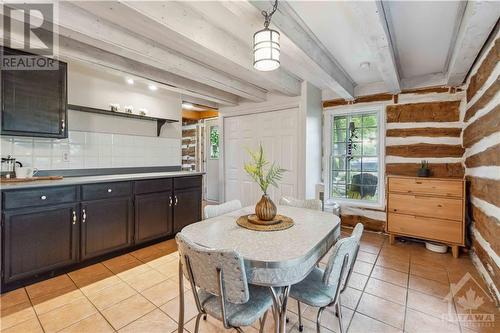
(105, 190)
(425, 227)
(451, 188)
(187, 182)
(153, 185)
(437, 207)
(38, 197)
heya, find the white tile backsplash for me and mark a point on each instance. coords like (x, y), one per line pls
(93, 150)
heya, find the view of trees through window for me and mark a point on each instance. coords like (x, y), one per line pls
(354, 157)
(214, 142)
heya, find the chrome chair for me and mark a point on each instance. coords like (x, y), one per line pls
(226, 207)
(322, 288)
(308, 203)
(219, 285)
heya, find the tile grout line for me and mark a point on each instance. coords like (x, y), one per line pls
(36, 314)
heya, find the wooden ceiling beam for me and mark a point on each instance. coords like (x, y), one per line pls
(478, 21)
(290, 24)
(83, 26)
(373, 21)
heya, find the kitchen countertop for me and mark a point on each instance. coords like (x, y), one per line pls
(97, 179)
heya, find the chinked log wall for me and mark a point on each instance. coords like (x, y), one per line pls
(481, 140)
(424, 126)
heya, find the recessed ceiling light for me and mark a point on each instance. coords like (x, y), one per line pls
(187, 106)
(130, 81)
(153, 87)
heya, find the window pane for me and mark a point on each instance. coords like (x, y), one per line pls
(369, 134)
(339, 135)
(338, 163)
(370, 148)
(355, 164)
(357, 120)
(340, 122)
(370, 120)
(214, 142)
(339, 149)
(370, 163)
(339, 176)
(338, 190)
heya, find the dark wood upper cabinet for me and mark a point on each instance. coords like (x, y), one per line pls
(106, 226)
(38, 240)
(34, 102)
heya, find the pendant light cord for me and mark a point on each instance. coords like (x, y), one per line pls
(268, 15)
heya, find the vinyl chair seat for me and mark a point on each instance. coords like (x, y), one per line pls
(239, 314)
(312, 291)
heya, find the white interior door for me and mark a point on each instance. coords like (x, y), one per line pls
(278, 132)
(212, 153)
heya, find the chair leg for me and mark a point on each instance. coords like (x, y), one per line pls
(301, 327)
(318, 319)
(239, 330)
(339, 316)
(262, 322)
(197, 326)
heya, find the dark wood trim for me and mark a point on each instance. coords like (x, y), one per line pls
(357, 100)
(429, 90)
(440, 170)
(107, 171)
(425, 150)
(425, 132)
(368, 223)
(159, 121)
(488, 157)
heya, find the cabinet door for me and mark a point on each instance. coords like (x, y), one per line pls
(106, 226)
(34, 102)
(39, 240)
(153, 216)
(187, 207)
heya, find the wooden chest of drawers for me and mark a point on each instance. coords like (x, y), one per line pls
(427, 208)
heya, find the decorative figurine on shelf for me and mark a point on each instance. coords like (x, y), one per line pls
(424, 170)
(114, 107)
(143, 112)
(129, 108)
(265, 208)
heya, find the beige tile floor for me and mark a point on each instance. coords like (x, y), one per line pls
(393, 289)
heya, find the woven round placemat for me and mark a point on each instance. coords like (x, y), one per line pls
(285, 223)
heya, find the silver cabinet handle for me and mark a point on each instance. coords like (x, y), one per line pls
(176, 201)
(84, 216)
(170, 201)
(74, 217)
(110, 190)
(63, 124)
(43, 197)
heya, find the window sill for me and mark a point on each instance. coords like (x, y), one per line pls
(356, 204)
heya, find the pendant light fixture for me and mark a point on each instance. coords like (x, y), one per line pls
(266, 45)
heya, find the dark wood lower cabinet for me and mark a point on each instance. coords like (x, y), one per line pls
(187, 207)
(106, 226)
(39, 240)
(153, 216)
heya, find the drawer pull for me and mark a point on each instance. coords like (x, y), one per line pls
(74, 217)
(176, 201)
(43, 197)
(170, 201)
(110, 190)
(84, 216)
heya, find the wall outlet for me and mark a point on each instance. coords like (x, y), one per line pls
(65, 156)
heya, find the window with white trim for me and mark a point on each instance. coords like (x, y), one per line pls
(355, 156)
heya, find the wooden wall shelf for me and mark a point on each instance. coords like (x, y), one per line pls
(159, 121)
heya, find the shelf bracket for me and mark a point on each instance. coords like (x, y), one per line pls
(159, 125)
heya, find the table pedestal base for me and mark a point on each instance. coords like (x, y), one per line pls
(280, 300)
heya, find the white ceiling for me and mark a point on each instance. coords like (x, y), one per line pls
(204, 49)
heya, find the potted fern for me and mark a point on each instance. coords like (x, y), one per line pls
(264, 175)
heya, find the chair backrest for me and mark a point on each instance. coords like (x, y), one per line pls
(226, 207)
(350, 246)
(309, 203)
(204, 263)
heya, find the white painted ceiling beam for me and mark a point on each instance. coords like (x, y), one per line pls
(69, 49)
(82, 26)
(290, 24)
(477, 22)
(165, 22)
(373, 22)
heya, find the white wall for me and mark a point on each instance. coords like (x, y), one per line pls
(100, 141)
